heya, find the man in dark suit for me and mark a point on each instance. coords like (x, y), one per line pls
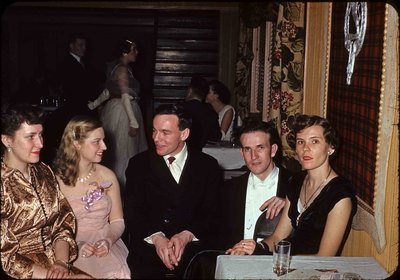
(205, 126)
(263, 187)
(170, 207)
(246, 196)
(78, 85)
(77, 79)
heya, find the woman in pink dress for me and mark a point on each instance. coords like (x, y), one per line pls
(94, 195)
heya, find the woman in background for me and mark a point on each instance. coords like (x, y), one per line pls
(93, 193)
(320, 204)
(219, 97)
(121, 116)
(37, 223)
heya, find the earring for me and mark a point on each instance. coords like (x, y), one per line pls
(9, 149)
(329, 153)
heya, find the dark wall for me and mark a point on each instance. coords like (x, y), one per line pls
(34, 41)
(173, 45)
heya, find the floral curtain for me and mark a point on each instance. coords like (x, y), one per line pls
(243, 70)
(287, 69)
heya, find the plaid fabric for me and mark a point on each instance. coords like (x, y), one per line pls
(353, 109)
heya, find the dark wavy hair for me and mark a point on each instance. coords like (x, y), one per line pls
(16, 114)
(222, 90)
(13, 116)
(184, 119)
(124, 46)
(303, 121)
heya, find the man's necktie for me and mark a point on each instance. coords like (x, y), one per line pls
(173, 168)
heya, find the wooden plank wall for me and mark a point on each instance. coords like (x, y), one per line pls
(187, 44)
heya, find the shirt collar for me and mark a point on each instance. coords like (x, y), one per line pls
(256, 182)
(180, 157)
(75, 56)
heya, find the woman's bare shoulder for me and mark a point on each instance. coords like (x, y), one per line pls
(104, 170)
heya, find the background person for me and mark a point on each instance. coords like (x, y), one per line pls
(37, 223)
(121, 115)
(78, 80)
(78, 83)
(205, 126)
(219, 97)
(320, 204)
(93, 193)
(171, 207)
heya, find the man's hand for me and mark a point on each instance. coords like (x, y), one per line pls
(164, 251)
(179, 241)
(244, 247)
(274, 205)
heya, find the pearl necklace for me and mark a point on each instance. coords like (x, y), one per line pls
(84, 179)
(307, 202)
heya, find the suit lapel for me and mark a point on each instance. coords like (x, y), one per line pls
(241, 185)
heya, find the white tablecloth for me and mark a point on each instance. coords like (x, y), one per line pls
(228, 157)
(260, 267)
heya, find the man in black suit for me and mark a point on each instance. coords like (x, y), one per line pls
(75, 76)
(262, 187)
(246, 196)
(205, 126)
(78, 85)
(170, 207)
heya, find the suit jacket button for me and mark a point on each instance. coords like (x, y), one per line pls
(166, 221)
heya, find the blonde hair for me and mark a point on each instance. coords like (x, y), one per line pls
(66, 163)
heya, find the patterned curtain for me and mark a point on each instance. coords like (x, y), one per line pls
(287, 70)
(243, 70)
(252, 16)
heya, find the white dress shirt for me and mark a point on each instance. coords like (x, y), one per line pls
(177, 165)
(257, 193)
(76, 57)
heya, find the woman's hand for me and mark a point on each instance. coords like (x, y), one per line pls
(132, 131)
(58, 270)
(244, 247)
(86, 249)
(102, 248)
(80, 276)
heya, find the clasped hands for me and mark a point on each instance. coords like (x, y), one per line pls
(100, 248)
(170, 250)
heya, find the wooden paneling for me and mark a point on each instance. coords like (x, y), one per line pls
(187, 44)
(316, 53)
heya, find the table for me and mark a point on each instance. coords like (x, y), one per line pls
(260, 267)
(228, 157)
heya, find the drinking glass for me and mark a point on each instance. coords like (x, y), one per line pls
(281, 257)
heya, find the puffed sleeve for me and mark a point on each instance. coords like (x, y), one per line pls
(64, 227)
(14, 264)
